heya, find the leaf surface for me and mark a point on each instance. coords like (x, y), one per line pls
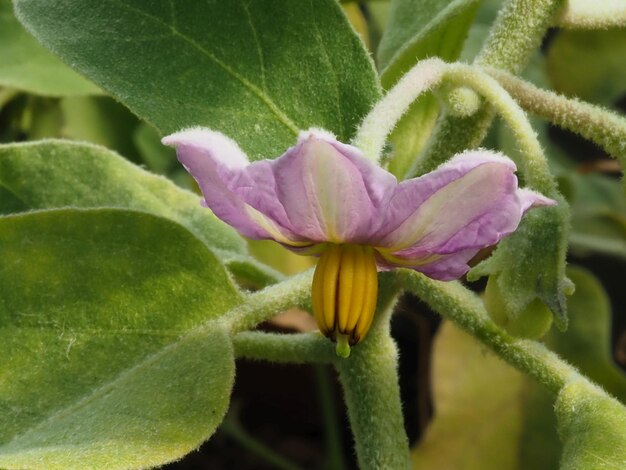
(56, 173)
(28, 66)
(258, 71)
(112, 356)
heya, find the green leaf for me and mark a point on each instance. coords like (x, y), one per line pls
(418, 29)
(589, 64)
(27, 66)
(111, 353)
(257, 71)
(488, 416)
(592, 426)
(58, 173)
(478, 411)
(587, 341)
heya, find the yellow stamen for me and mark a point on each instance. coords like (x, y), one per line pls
(344, 293)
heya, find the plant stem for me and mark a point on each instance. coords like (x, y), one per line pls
(262, 305)
(535, 166)
(370, 382)
(465, 309)
(607, 129)
(329, 414)
(299, 348)
(516, 33)
(381, 120)
(234, 429)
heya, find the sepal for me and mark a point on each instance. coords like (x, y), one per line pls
(530, 264)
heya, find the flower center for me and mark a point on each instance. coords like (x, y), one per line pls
(344, 292)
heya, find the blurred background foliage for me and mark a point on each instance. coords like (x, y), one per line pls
(464, 408)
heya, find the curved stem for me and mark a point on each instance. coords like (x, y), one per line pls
(298, 348)
(535, 166)
(607, 129)
(381, 120)
(262, 305)
(516, 33)
(461, 306)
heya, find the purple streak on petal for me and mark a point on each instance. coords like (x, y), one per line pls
(230, 184)
(329, 191)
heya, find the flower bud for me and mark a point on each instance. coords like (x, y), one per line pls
(533, 321)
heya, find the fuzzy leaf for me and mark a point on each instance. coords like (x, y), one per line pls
(592, 426)
(56, 173)
(111, 353)
(478, 411)
(256, 71)
(27, 66)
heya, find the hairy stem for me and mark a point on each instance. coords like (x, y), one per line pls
(461, 306)
(535, 166)
(603, 127)
(378, 124)
(517, 32)
(370, 382)
(297, 348)
(233, 428)
(329, 413)
(262, 305)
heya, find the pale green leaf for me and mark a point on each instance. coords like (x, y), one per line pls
(487, 416)
(592, 426)
(56, 173)
(478, 411)
(417, 30)
(589, 64)
(112, 356)
(26, 65)
(257, 71)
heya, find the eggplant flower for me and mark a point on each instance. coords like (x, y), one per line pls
(324, 198)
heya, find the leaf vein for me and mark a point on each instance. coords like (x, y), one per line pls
(256, 91)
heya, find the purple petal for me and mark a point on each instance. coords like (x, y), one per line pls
(466, 204)
(440, 267)
(330, 192)
(529, 199)
(241, 194)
